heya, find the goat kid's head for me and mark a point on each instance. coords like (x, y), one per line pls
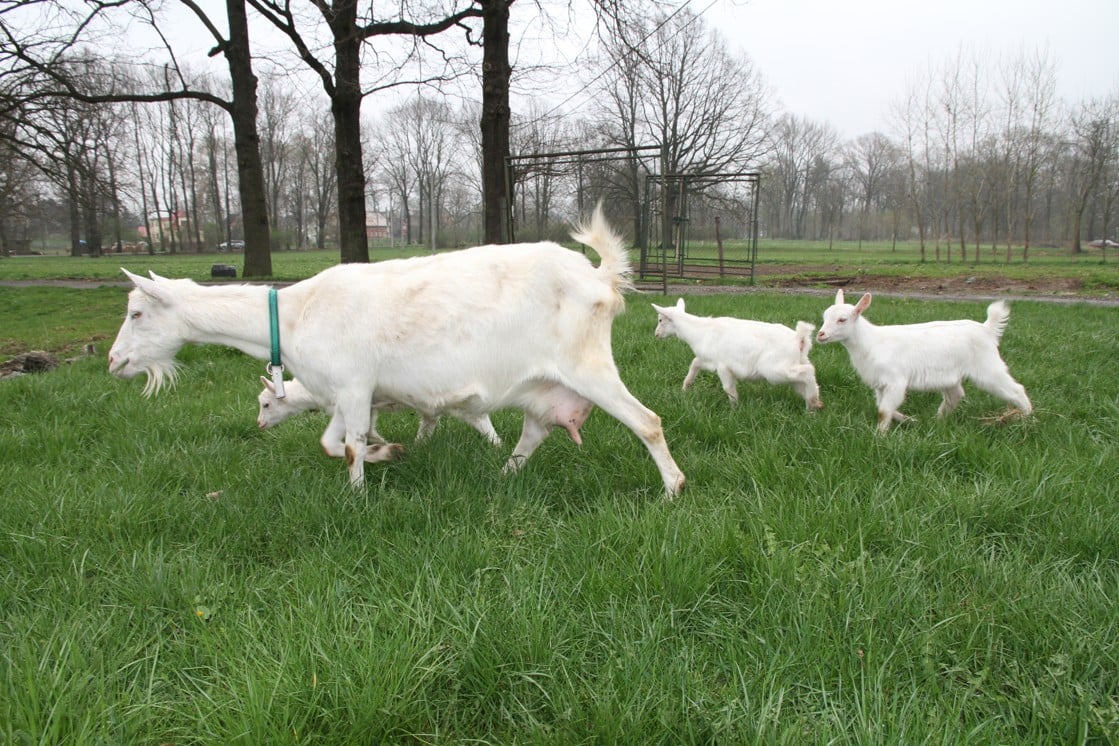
(151, 334)
(666, 317)
(274, 410)
(840, 318)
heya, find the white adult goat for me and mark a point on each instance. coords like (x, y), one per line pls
(525, 326)
(743, 349)
(272, 410)
(933, 356)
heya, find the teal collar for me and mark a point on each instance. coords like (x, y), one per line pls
(275, 368)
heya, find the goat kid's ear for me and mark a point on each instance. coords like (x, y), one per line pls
(863, 304)
(660, 311)
(838, 296)
(268, 384)
(680, 304)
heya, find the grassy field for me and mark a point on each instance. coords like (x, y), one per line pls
(170, 574)
(778, 262)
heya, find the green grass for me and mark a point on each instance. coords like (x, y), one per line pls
(170, 574)
(286, 265)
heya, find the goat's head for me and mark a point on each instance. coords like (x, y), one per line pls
(151, 334)
(666, 317)
(840, 318)
(272, 409)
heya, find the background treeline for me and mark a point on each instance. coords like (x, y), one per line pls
(981, 157)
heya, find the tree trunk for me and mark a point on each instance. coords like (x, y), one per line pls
(345, 105)
(250, 170)
(495, 117)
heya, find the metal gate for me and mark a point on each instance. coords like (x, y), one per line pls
(702, 226)
(572, 182)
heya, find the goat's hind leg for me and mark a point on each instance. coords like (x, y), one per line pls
(804, 383)
(604, 387)
(1000, 383)
(730, 383)
(533, 433)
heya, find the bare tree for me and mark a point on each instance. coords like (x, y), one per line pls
(1092, 148)
(40, 53)
(341, 80)
(871, 159)
(796, 170)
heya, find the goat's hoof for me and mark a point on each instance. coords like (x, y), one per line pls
(1011, 414)
(386, 452)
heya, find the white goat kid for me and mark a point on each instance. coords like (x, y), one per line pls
(743, 349)
(933, 356)
(273, 410)
(525, 326)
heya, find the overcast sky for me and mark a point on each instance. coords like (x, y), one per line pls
(844, 61)
(837, 61)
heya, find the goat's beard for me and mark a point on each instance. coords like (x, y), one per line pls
(160, 375)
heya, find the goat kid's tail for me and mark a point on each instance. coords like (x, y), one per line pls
(804, 334)
(614, 266)
(998, 314)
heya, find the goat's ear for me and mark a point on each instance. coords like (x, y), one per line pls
(838, 296)
(268, 384)
(660, 311)
(680, 304)
(156, 277)
(863, 304)
(149, 287)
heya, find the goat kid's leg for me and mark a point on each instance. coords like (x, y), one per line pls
(889, 399)
(804, 383)
(951, 400)
(693, 371)
(604, 387)
(483, 425)
(1001, 384)
(730, 383)
(533, 433)
(373, 436)
(427, 426)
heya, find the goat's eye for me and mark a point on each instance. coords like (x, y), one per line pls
(841, 321)
(265, 405)
(136, 314)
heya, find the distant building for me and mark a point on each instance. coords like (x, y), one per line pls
(164, 223)
(377, 226)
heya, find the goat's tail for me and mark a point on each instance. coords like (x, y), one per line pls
(804, 338)
(614, 266)
(998, 314)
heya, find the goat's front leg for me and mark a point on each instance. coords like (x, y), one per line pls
(693, 371)
(889, 398)
(333, 438)
(333, 442)
(354, 409)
